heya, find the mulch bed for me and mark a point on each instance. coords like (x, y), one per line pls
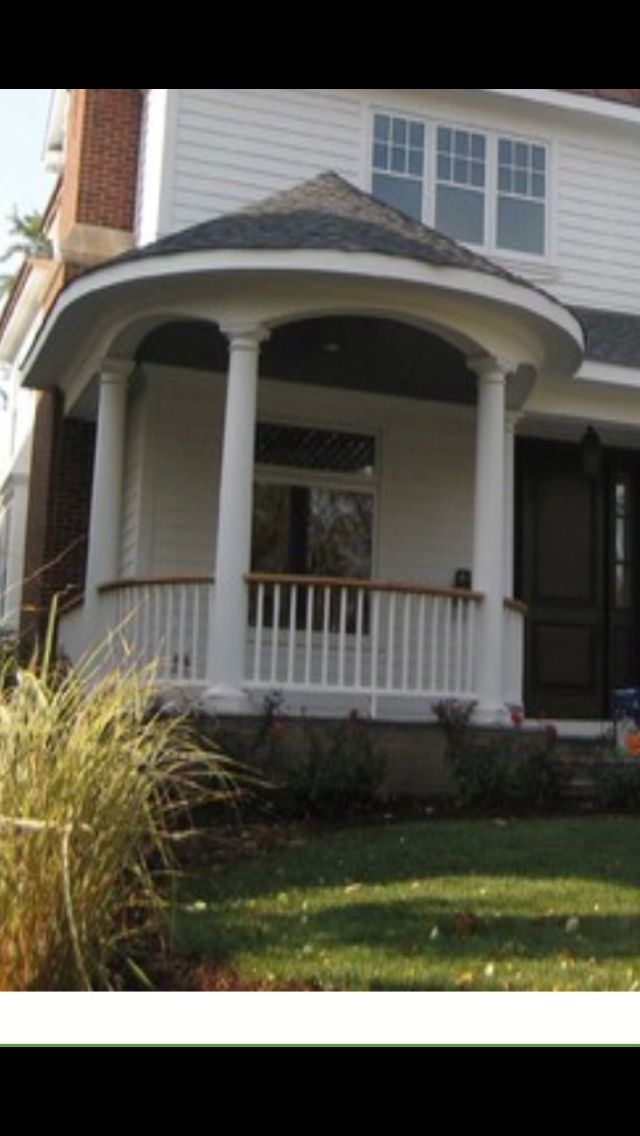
(192, 976)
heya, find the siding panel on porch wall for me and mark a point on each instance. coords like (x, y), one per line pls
(132, 501)
(426, 461)
(230, 147)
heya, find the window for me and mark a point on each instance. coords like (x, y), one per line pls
(461, 180)
(481, 188)
(318, 520)
(622, 545)
(522, 195)
(399, 163)
(305, 530)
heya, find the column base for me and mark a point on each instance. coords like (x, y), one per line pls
(224, 701)
(495, 716)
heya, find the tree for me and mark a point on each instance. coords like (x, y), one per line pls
(29, 240)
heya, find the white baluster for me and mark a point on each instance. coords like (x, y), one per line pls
(308, 655)
(459, 611)
(342, 640)
(275, 633)
(447, 645)
(419, 685)
(293, 609)
(375, 651)
(259, 635)
(359, 638)
(196, 635)
(406, 642)
(326, 630)
(391, 637)
(435, 646)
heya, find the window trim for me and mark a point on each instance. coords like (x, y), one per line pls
(493, 136)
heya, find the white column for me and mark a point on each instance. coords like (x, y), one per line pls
(108, 478)
(511, 423)
(489, 534)
(229, 615)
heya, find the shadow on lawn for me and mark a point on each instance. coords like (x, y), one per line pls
(430, 933)
(600, 850)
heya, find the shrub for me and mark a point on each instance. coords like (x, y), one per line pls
(618, 784)
(94, 792)
(312, 770)
(514, 773)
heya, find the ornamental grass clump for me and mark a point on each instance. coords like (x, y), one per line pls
(95, 792)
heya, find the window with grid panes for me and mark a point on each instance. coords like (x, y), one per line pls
(481, 188)
(522, 196)
(461, 178)
(399, 163)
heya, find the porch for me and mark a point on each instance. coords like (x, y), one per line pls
(319, 416)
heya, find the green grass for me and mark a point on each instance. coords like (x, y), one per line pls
(468, 905)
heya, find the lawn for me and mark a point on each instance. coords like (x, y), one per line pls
(433, 906)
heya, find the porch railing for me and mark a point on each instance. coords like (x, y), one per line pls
(163, 623)
(320, 636)
(361, 638)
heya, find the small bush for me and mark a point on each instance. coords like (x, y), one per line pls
(618, 784)
(312, 770)
(94, 793)
(513, 775)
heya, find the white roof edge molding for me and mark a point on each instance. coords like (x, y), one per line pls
(582, 104)
(481, 312)
(54, 141)
(25, 313)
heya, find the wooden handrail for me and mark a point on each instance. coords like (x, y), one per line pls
(271, 579)
(518, 606)
(337, 582)
(153, 582)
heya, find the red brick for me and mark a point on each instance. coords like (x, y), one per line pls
(103, 142)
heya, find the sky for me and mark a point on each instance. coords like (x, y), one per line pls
(23, 181)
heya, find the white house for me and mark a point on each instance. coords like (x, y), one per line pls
(364, 384)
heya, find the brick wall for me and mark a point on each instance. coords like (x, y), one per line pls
(103, 141)
(59, 511)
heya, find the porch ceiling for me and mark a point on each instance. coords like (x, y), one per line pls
(352, 353)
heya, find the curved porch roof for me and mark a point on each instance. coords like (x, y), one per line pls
(321, 248)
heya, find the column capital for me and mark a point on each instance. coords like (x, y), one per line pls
(115, 372)
(244, 336)
(490, 369)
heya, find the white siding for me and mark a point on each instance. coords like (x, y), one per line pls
(181, 472)
(226, 148)
(233, 147)
(425, 487)
(132, 503)
(598, 223)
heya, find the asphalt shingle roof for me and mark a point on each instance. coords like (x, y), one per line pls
(326, 213)
(612, 337)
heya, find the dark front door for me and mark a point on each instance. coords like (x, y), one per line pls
(578, 571)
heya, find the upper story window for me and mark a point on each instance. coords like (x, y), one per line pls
(522, 196)
(461, 179)
(398, 163)
(484, 189)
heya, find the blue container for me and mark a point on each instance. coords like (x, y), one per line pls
(626, 704)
